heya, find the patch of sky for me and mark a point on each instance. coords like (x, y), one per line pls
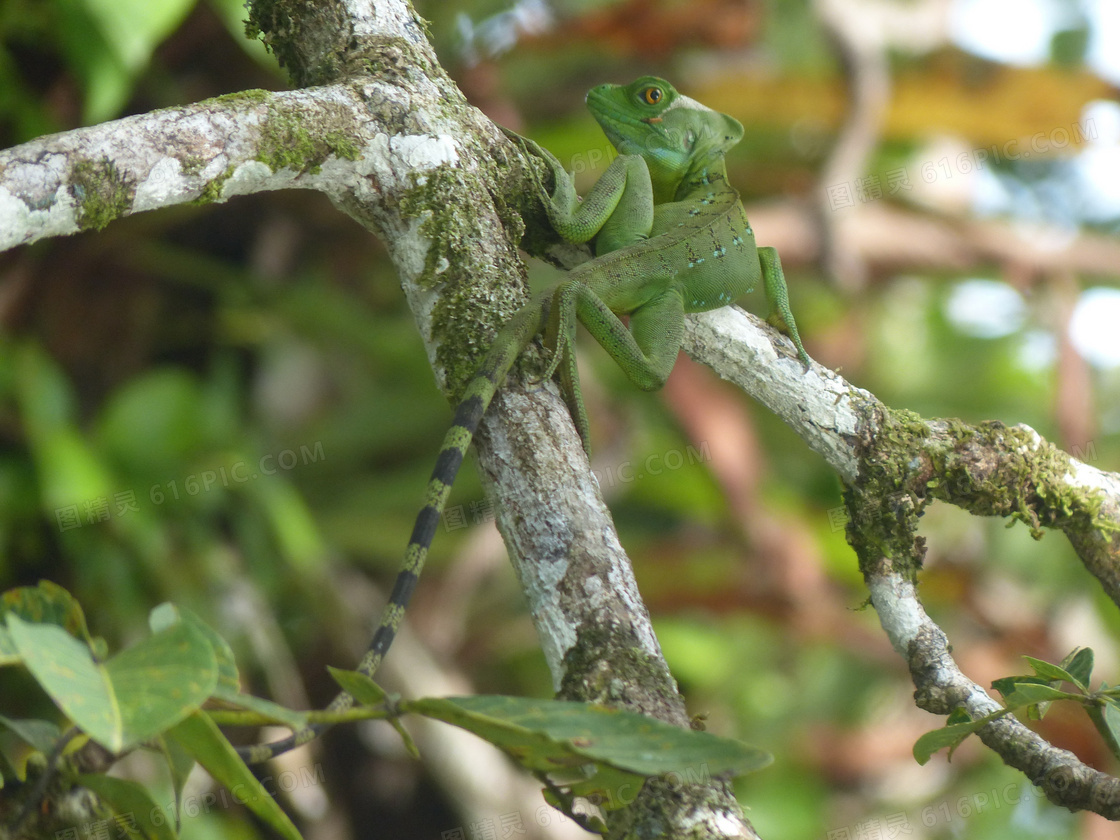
(1093, 327)
(985, 308)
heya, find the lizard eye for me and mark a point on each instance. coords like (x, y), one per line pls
(652, 95)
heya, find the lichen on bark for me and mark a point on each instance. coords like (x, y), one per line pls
(101, 191)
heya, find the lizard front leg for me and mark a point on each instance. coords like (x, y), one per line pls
(645, 351)
(617, 211)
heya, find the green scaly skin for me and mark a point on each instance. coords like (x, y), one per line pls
(670, 237)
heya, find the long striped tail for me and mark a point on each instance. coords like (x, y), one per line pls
(508, 345)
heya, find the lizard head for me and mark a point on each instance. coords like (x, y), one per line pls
(674, 133)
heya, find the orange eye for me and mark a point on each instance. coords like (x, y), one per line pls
(652, 95)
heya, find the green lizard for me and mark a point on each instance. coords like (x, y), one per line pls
(670, 237)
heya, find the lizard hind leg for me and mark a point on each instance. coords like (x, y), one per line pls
(559, 337)
(646, 350)
(559, 340)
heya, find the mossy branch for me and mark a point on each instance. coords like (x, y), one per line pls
(893, 464)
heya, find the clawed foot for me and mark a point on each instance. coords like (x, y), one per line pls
(779, 323)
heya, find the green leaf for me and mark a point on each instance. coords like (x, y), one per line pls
(8, 772)
(46, 397)
(70, 474)
(136, 27)
(8, 653)
(549, 736)
(127, 34)
(228, 687)
(91, 58)
(131, 802)
(950, 737)
(1029, 694)
(47, 603)
(200, 737)
(1036, 693)
(67, 470)
(958, 715)
(180, 763)
(40, 734)
(1106, 719)
(362, 688)
(229, 681)
(1079, 664)
(1007, 685)
(276, 713)
(133, 696)
(293, 525)
(368, 693)
(1048, 671)
(153, 424)
(409, 744)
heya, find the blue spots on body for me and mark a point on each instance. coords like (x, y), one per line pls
(723, 299)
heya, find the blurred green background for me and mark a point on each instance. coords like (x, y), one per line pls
(229, 407)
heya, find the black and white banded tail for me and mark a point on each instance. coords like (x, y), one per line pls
(509, 344)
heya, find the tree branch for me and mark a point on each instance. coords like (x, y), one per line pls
(893, 464)
(211, 151)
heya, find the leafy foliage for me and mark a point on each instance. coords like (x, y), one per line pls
(159, 694)
(589, 751)
(1032, 695)
(130, 698)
